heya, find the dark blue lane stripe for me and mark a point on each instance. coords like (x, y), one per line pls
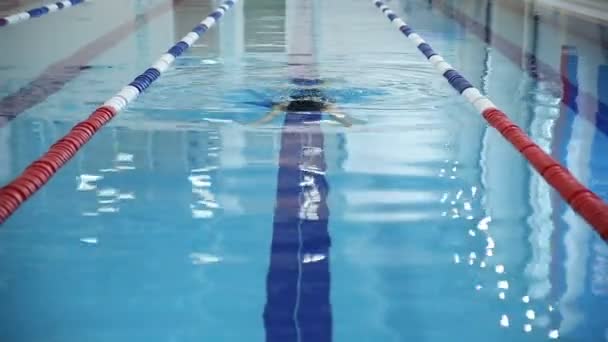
(592, 304)
(562, 136)
(298, 293)
(594, 301)
(602, 100)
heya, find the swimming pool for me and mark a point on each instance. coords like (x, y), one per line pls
(180, 222)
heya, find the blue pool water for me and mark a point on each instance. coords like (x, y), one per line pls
(181, 222)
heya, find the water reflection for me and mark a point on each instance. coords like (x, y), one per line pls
(542, 88)
(424, 231)
(576, 256)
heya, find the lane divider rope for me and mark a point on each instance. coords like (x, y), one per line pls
(582, 200)
(38, 12)
(40, 171)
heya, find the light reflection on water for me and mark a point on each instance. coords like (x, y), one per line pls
(439, 229)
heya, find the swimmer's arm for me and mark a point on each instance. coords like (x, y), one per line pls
(276, 110)
(340, 116)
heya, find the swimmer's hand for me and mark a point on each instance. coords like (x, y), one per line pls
(341, 117)
(275, 110)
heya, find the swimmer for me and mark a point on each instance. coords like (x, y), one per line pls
(307, 100)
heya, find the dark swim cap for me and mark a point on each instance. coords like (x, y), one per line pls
(309, 94)
(305, 106)
(307, 81)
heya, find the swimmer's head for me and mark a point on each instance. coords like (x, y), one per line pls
(309, 94)
(307, 82)
(305, 105)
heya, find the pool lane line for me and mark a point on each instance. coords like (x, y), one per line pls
(582, 200)
(40, 171)
(298, 282)
(58, 74)
(38, 12)
(562, 134)
(513, 52)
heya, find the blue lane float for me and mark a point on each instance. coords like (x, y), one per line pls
(457, 81)
(143, 81)
(582, 200)
(38, 12)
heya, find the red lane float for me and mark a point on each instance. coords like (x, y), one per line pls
(580, 198)
(40, 171)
